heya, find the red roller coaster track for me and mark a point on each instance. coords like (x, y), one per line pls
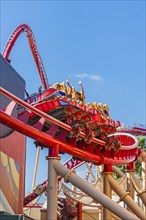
(15, 34)
(94, 152)
(36, 121)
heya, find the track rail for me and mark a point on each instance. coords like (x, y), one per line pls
(44, 115)
(96, 155)
(135, 131)
(95, 152)
(32, 43)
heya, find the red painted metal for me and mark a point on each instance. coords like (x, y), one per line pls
(96, 155)
(46, 139)
(79, 211)
(49, 141)
(44, 115)
(135, 130)
(130, 166)
(15, 34)
(128, 141)
(107, 168)
(40, 96)
(53, 152)
(53, 120)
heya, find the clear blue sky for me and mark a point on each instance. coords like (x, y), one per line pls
(100, 42)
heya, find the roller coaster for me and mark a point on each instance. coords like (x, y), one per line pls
(65, 125)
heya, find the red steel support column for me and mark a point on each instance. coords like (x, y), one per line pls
(79, 209)
(107, 189)
(52, 184)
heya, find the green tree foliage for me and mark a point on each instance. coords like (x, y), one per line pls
(142, 142)
(123, 170)
(142, 146)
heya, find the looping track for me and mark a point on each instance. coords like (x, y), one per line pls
(15, 34)
(94, 152)
(44, 124)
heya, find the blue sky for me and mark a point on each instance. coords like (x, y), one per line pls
(100, 42)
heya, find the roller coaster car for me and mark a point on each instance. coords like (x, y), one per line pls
(55, 103)
(41, 96)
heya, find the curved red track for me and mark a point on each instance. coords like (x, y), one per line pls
(15, 34)
(95, 152)
(29, 130)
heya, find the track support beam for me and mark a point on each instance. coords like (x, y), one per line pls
(70, 176)
(107, 190)
(52, 184)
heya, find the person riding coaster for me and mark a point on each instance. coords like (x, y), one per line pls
(76, 96)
